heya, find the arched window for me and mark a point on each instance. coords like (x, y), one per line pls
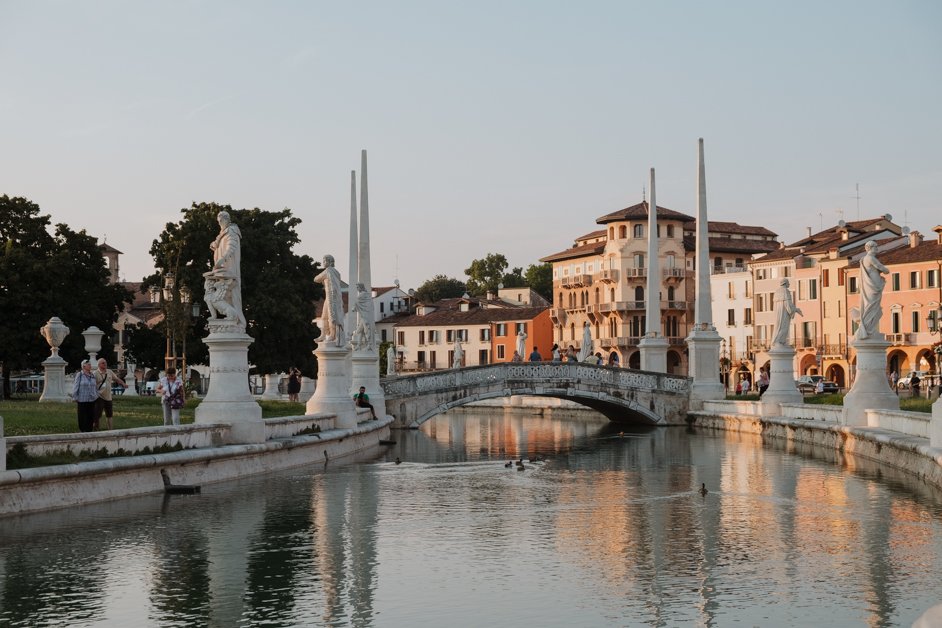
(623, 232)
(670, 293)
(611, 233)
(572, 331)
(639, 231)
(596, 295)
(613, 295)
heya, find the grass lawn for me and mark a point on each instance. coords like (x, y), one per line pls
(25, 417)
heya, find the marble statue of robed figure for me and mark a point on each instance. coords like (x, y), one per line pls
(871, 292)
(332, 317)
(223, 284)
(785, 311)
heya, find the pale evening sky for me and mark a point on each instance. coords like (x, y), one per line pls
(504, 127)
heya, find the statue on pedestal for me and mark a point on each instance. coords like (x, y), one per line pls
(522, 343)
(332, 314)
(871, 292)
(223, 284)
(365, 332)
(586, 349)
(391, 360)
(785, 311)
(459, 354)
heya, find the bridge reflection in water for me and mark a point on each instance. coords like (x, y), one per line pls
(608, 530)
(622, 395)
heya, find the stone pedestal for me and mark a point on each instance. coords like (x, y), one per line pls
(228, 399)
(703, 347)
(366, 373)
(935, 425)
(131, 380)
(653, 353)
(54, 380)
(782, 388)
(271, 387)
(308, 386)
(333, 386)
(871, 390)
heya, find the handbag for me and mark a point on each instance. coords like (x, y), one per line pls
(176, 399)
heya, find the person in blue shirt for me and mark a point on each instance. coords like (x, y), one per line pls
(85, 393)
(535, 355)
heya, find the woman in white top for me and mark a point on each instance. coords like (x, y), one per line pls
(170, 386)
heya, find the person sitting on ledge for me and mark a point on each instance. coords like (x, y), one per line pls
(362, 400)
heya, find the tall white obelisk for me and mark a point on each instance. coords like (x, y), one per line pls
(351, 317)
(365, 359)
(703, 343)
(654, 345)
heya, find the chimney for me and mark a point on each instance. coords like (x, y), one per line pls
(809, 231)
(938, 234)
(915, 239)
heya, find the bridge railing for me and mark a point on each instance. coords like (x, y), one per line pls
(536, 372)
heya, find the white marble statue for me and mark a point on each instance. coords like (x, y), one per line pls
(364, 333)
(391, 360)
(871, 292)
(785, 311)
(522, 343)
(458, 354)
(332, 315)
(586, 348)
(223, 284)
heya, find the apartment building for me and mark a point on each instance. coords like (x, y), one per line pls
(602, 280)
(487, 329)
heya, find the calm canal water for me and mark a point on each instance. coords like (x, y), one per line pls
(608, 531)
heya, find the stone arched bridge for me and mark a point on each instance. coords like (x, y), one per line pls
(623, 395)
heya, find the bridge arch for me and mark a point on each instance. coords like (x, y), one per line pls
(622, 395)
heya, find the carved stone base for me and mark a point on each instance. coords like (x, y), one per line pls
(366, 373)
(782, 387)
(333, 386)
(54, 380)
(271, 386)
(704, 367)
(308, 386)
(871, 389)
(228, 399)
(653, 353)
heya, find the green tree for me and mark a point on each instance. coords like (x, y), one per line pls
(540, 279)
(44, 275)
(278, 289)
(484, 275)
(146, 345)
(439, 287)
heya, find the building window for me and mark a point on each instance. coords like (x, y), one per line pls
(730, 290)
(717, 262)
(747, 319)
(812, 289)
(500, 352)
(852, 285)
(825, 278)
(639, 231)
(639, 260)
(671, 261)
(932, 278)
(622, 232)
(748, 289)
(450, 336)
(485, 334)
(895, 279)
(760, 303)
(482, 356)
(914, 280)
(670, 231)
(401, 338)
(381, 305)
(895, 323)
(520, 327)
(670, 293)
(639, 293)
(382, 335)
(915, 322)
(501, 329)
(739, 263)
(731, 318)
(421, 336)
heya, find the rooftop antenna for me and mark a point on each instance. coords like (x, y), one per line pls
(821, 221)
(644, 197)
(858, 201)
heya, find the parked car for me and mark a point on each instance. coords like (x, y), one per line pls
(904, 383)
(807, 384)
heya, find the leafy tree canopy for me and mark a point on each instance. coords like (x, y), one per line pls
(44, 275)
(278, 289)
(484, 275)
(439, 287)
(540, 279)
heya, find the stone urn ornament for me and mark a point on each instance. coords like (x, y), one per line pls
(93, 337)
(55, 332)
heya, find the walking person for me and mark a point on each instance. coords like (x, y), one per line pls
(84, 393)
(105, 378)
(170, 389)
(914, 382)
(362, 400)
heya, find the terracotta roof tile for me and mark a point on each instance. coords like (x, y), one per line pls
(640, 211)
(595, 248)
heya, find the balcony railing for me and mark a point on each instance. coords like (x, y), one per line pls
(676, 305)
(838, 350)
(558, 315)
(673, 272)
(576, 281)
(900, 339)
(609, 275)
(636, 273)
(719, 270)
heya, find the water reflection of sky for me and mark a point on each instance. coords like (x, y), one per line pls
(608, 530)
